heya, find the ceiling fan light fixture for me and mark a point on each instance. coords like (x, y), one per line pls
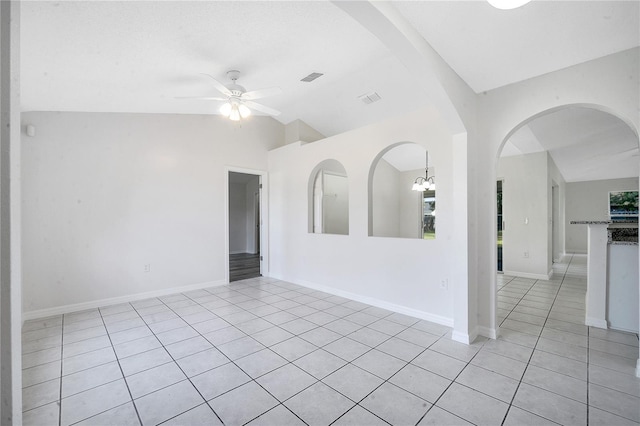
(225, 109)
(234, 115)
(244, 111)
(507, 4)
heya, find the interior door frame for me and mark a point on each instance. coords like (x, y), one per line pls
(555, 223)
(502, 225)
(264, 217)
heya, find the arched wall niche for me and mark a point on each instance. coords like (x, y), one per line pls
(395, 209)
(328, 199)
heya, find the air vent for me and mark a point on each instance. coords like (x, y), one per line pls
(312, 76)
(369, 98)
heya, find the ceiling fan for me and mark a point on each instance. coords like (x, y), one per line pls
(238, 102)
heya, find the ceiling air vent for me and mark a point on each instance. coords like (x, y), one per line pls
(369, 98)
(312, 76)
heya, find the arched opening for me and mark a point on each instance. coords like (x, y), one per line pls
(402, 193)
(555, 167)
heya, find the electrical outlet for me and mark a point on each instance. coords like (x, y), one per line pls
(526, 254)
(147, 267)
(444, 284)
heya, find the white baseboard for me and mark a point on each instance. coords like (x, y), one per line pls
(596, 322)
(379, 303)
(465, 338)
(529, 275)
(65, 309)
(491, 333)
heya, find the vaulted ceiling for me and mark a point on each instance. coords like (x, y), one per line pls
(138, 56)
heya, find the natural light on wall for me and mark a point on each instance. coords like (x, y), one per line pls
(507, 4)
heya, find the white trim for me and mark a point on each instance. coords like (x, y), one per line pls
(638, 368)
(380, 303)
(529, 275)
(64, 309)
(624, 330)
(465, 338)
(264, 217)
(596, 322)
(491, 333)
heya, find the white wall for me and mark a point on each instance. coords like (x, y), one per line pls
(396, 207)
(385, 200)
(335, 203)
(555, 179)
(106, 194)
(299, 131)
(525, 207)
(10, 217)
(252, 187)
(590, 201)
(238, 218)
(610, 84)
(410, 205)
(404, 274)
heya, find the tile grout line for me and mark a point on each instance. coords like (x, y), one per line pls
(536, 344)
(568, 286)
(588, 365)
(321, 347)
(514, 306)
(61, 366)
(384, 381)
(349, 362)
(234, 363)
(378, 318)
(121, 371)
(177, 365)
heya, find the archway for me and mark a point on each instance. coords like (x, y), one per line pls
(619, 153)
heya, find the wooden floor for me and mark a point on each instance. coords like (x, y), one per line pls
(243, 266)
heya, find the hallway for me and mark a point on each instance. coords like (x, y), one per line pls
(268, 352)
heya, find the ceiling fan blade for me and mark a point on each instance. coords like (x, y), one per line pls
(262, 93)
(261, 108)
(219, 86)
(206, 98)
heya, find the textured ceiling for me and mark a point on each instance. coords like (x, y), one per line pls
(138, 56)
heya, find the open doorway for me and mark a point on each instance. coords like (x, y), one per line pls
(244, 226)
(500, 223)
(555, 222)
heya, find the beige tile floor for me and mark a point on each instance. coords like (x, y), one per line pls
(267, 352)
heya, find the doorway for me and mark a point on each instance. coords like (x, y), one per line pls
(555, 223)
(245, 217)
(500, 224)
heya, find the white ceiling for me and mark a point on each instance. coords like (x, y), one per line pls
(490, 48)
(584, 143)
(137, 56)
(408, 156)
